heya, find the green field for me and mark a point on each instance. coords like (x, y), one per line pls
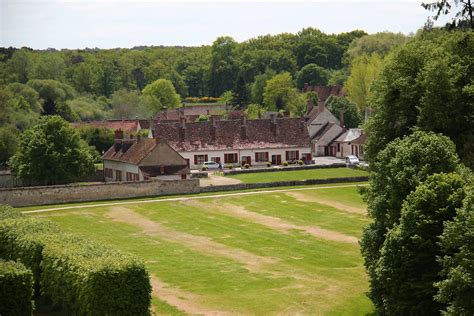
(299, 175)
(292, 252)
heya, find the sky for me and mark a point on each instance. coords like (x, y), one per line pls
(42, 24)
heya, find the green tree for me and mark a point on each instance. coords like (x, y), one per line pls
(83, 78)
(352, 117)
(8, 143)
(99, 137)
(258, 86)
(51, 152)
(426, 83)
(313, 75)
(364, 71)
(280, 94)
(395, 172)
(223, 68)
(240, 94)
(160, 94)
(407, 268)
(126, 104)
(456, 290)
(87, 108)
(20, 64)
(48, 66)
(254, 111)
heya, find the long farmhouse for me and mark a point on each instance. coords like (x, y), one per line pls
(238, 142)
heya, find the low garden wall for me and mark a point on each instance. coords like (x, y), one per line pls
(43, 195)
(249, 186)
(289, 168)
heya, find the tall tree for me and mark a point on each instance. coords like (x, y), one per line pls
(160, 94)
(223, 67)
(444, 7)
(240, 94)
(51, 153)
(48, 66)
(313, 75)
(351, 114)
(280, 93)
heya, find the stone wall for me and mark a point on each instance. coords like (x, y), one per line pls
(27, 196)
(288, 168)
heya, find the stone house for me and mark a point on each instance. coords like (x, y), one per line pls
(138, 159)
(351, 142)
(237, 142)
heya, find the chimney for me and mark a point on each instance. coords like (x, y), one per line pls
(117, 144)
(273, 124)
(341, 117)
(243, 128)
(182, 129)
(126, 144)
(118, 134)
(213, 127)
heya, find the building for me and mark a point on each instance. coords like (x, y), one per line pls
(127, 126)
(138, 159)
(238, 142)
(351, 142)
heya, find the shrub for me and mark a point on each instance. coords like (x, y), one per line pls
(285, 163)
(6, 211)
(300, 162)
(269, 164)
(16, 286)
(204, 168)
(246, 166)
(230, 167)
(88, 278)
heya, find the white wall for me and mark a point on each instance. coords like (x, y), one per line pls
(245, 152)
(122, 166)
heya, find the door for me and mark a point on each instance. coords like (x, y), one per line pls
(276, 159)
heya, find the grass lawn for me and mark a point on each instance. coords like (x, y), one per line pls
(299, 175)
(291, 252)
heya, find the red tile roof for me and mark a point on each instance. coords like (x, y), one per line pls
(137, 151)
(261, 133)
(128, 126)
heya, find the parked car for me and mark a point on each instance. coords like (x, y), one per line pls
(352, 160)
(210, 165)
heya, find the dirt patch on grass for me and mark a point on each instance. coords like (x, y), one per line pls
(186, 302)
(274, 222)
(253, 263)
(340, 206)
(217, 180)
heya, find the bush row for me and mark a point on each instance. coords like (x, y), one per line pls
(82, 276)
(202, 99)
(16, 288)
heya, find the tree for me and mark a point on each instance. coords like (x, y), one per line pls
(48, 66)
(395, 172)
(126, 104)
(280, 94)
(20, 64)
(364, 71)
(456, 290)
(258, 86)
(160, 94)
(336, 105)
(313, 75)
(443, 7)
(100, 137)
(428, 84)
(8, 143)
(223, 67)
(51, 152)
(87, 108)
(407, 268)
(240, 94)
(254, 111)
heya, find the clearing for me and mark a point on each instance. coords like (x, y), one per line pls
(272, 252)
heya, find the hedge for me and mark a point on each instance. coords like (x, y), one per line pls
(88, 278)
(16, 288)
(84, 277)
(6, 211)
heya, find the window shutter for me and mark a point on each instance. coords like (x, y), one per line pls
(297, 155)
(206, 158)
(266, 156)
(256, 157)
(226, 158)
(287, 155)
(195, 159)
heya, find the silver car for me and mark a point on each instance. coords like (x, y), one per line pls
(210, 165)
(352, 160)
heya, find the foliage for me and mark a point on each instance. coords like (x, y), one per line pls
(444, 7)
(226, 97)
(203, 118)
(48, 66)
(240, 94)
(202, 100)
(8, 143)
(280, 94)
(159, 95)
(313, 75)
(223, 67)
(457, 242)
(254, 111)
(380, 43)
(257, 88)
(51, 152)
(363, 72)
(426, 83)
(395, 172)
(352, 117)
(127, 105)
(87, 108)
(100, 137)
(407, 268)
(16, 286)
(6, 211)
